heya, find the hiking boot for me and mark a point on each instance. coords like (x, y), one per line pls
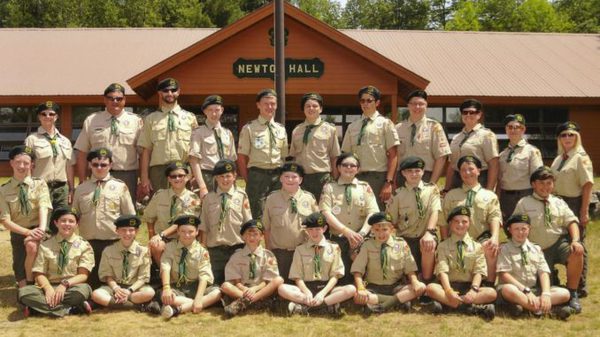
(86, 308)
(514, 310)
(486, 311)
(436, 307)
(168, 312)
(370, 309)
(236, 307)
(151, 307)
(406, 306)
(574, 303)
(335, 310)
(562, 312)
(425, 300)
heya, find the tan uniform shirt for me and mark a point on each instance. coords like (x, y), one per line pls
(97, 222)
(378, 137)
(255, 142)
(158, 210)
(96, 132)
(447, 261)
(485, 209)
(80, 255)
(238, 266)
(204, 145)
(430, 141)
(323, 144)
(355, 214)
(47, 166)
(540, 233)
(237, 212)
(510, 260)
(575, 173)
(111, 263)
(38, 198)
(168, 146)
(330, 262)
(515, 175)
(481, 143)
(401, 261)
(285, 227)
(405, 212)
(197, 262)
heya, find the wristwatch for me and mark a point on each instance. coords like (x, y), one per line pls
(65, 283)
(432, 231)
(389, 181)
(526, 290)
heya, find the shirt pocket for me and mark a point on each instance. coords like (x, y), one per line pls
(277, 216)
(66, 148)
(405, 215)
(42, 148)
(127, 137)
(320, 141)
(159, 133)
(112, 203)
(184, 132)
(210, 146)
(99, 137)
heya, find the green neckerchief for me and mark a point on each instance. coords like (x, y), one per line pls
(253, 266)
(220, 148)
(24, 198)
(224, 209)
(317, 262)
(384, 260)
(114, 126)
(63, 257)
(365, 122)
(125, 272)
(460, 246)
(420, 207)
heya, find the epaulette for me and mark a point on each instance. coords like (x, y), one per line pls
(7, 182)
(36, 178)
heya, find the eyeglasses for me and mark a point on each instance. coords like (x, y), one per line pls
(48, 114)
(115, 98)
(102, 165)
(348, 165)
(469, 112)
(177, 176)
(366, 100)
(565, 135)
(514, 127)
(168, 90)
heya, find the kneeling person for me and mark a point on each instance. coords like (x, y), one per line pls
(125, 269)
(387, 262)
(251, 272)
(316, 268)
(185, 266)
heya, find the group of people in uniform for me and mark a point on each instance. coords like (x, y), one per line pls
(317, 223)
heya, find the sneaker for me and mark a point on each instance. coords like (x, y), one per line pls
(425, 300)
(515, 310)
(406, 306)
(373, 309)
(582, 292)
(487, 311)
(167, 312)
(151, 307)
(436, 307)
(562, 312)
(86, 308)
(334, 310)
(574, 303)
(297, 309)
(236, 307)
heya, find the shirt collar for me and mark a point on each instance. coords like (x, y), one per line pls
(475, 188)
(317, 122)
(246, 250)
(190, 247)
(43, 131)
(211, 125)
(375, 115)
(354, 181)
(132, 248)
(263, 121)
(230, 192)
(105, 179)
(454, 239)
(60, 238)
(176, 110)
(321, 243)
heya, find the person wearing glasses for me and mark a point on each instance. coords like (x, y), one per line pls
(165, 137)
(101, 200)
(517, 162)
(574, 180)
(374, 140)
(474, 140)
(422, 137)
(52, 155)
(117, 130)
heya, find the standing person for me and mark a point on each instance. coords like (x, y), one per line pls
(116, 129)
(388, 267)
(61, 269)
(473, 140)
(422, 137)
(24, 206)
(125, 269)
(485, 210)
(517, 163)
(101, 200)
(262, 148)
(521, 268)
(224, 211)
(460, 268)
(555, 228)
(316, 268)
(185, 272)
(165, 137)
(284, 212)
(574, 182)
(347, 204)
(53, 153)
(315, 145)
(210, 143)
(374, 140)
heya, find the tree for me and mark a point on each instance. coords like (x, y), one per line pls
(539, 16)
(386, 14)
(583, 14)
(466, 17)
(441, 12)
(327, 11)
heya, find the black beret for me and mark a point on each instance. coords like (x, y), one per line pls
(60, 211)
(417, 93)
(514, 118)
(469, 159)
(47, 105)
(251, 224)
(20, 149)
(371, 90)
(176, 165)
(471, 103)
(572, 126)
(212, 99)
(316, 219)
(345, 155)
(99, 153)
(312, 96)
(458, 210)
(113, 87)
(379, 217)
(412, 162)
(266, 93)
(516, 218)
(129, 220)
(190, 220)
(541, 173)
(167, 83)
(292, 167)
(224, 166)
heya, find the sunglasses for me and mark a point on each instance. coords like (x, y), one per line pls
(102, 165)
(514, 127)
(348, 165)
(168, 90)
(469, 112)
(115, 98)
(48, 114)
(177, 176)
(366, 100)
(565, 135)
